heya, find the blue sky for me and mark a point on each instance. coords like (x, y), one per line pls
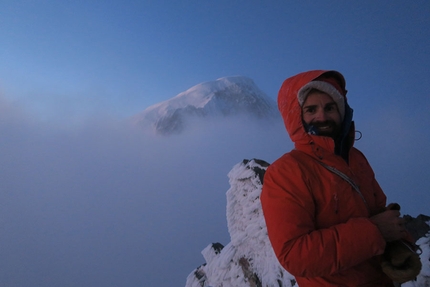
(121, 57)
(88, 202)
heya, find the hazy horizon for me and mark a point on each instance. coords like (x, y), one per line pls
(104, 203)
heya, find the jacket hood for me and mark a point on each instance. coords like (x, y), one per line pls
(290, 108)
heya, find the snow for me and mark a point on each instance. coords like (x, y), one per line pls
(222, 96)
(197, 96)
(249, 251)
(423, 279)
(248, 259)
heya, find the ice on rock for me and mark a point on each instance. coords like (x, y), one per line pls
(248, 260)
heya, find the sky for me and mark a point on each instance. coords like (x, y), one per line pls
(89, 201)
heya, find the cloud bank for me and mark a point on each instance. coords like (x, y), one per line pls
(105, 204)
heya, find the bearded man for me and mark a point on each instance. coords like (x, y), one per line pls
(326, 214)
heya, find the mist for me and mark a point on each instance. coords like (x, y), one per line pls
(102, 203)
(105, 204)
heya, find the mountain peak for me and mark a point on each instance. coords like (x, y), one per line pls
(227, 96)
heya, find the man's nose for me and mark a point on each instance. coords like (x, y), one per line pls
(321, 116)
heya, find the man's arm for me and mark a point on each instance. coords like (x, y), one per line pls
(303, 250)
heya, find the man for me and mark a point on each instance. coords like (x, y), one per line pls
(326, 214)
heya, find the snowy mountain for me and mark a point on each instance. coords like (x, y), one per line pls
(224, 97)
(248, 260)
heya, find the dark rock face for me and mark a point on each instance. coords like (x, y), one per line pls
(175, 122)
(236, 99)
(250, 276)
(418, 227)
(258, 171)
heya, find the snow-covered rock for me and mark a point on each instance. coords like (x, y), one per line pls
(228, 96)
(248, 260)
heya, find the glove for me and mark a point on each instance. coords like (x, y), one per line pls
(400, 262)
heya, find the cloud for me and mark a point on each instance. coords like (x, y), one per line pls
(104, 204)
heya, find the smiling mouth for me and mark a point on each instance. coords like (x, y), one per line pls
(324, 128)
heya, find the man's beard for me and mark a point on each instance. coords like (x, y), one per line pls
(327, 128)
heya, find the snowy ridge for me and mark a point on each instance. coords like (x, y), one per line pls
(226, 96)
(248, 260)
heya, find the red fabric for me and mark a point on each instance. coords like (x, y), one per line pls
(317, 223)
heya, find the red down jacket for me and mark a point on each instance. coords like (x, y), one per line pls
(317, 223)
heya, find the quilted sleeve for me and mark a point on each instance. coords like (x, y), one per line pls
(303, 250)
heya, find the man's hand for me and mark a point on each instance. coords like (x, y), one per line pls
(400, 262)
(391, 226)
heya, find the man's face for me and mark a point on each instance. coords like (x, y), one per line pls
(319, 110)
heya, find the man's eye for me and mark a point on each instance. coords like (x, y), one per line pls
(310, 110)
(330, 108)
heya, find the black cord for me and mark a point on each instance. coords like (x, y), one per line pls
(361, 135)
